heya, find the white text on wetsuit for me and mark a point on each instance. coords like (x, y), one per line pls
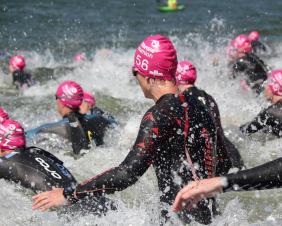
(46, 167)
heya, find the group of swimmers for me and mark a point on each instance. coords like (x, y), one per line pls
(180, 136)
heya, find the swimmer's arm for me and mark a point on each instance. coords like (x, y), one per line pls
(240, 65)
(259, 122)
(76, 134)
(129, 171)
(58, 128)
(266, 176)
(236, 68)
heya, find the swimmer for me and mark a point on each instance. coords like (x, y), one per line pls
(269, 120)
(79, 57)
(80, 129)
(88, 103)
(32, 167)
(228, 155)
(244, 61)
(21, 79)
(257, 46)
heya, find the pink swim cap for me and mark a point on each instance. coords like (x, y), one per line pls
(11, 135)
(79, 57)
(3, 115)
(17, 62)
(275, 82)
(89, 98)
(186, 73)
(241, 44)
(156, 58)
(70, 94)
(254, 36)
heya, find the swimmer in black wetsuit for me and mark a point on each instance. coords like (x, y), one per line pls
(21, 79)
(80, 129)
(228, 155)
(270, 119)
(175, 135)
(257, 46)
(32, 167)
(244, 61)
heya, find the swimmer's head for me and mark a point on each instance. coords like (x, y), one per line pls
(186, 73)
(79, 57)
(239, 46)
(3, 115)
(275, 82)
(11, 135)
(156, 58)
(88, 103)
(69, 95)
(17, 63)
(155, 63)
(254, 36)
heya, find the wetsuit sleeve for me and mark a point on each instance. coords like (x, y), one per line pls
(258, 46)
(259, 122)
(131, 169)
(76, 134)
(240, 65)
(36, 169)
(58, 128)
(266, 176)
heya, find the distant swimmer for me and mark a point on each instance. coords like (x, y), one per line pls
(269, 120)
(89, 108)
(21, 79)
(31, 167)
(80, 129)
(88, 103)
(79, 57)
(228, 155)
(257, 46)
(243, 61)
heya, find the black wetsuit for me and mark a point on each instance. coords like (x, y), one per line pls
(36, 169)
(22, 79)
(79, 129)
(254, 69)
(258, 47)
(269, 121)
(228, 156)
(160, 143)
(266, 176)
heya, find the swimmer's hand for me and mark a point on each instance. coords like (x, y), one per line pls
(194, 192)
(49, 199)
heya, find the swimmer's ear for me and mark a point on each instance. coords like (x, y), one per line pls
(152, 81)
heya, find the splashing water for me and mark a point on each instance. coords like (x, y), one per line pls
(108, 74)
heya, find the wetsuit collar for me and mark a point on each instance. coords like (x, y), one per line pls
(163, 97)
(190, 88)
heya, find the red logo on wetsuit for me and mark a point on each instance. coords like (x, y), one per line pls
(208, 153)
